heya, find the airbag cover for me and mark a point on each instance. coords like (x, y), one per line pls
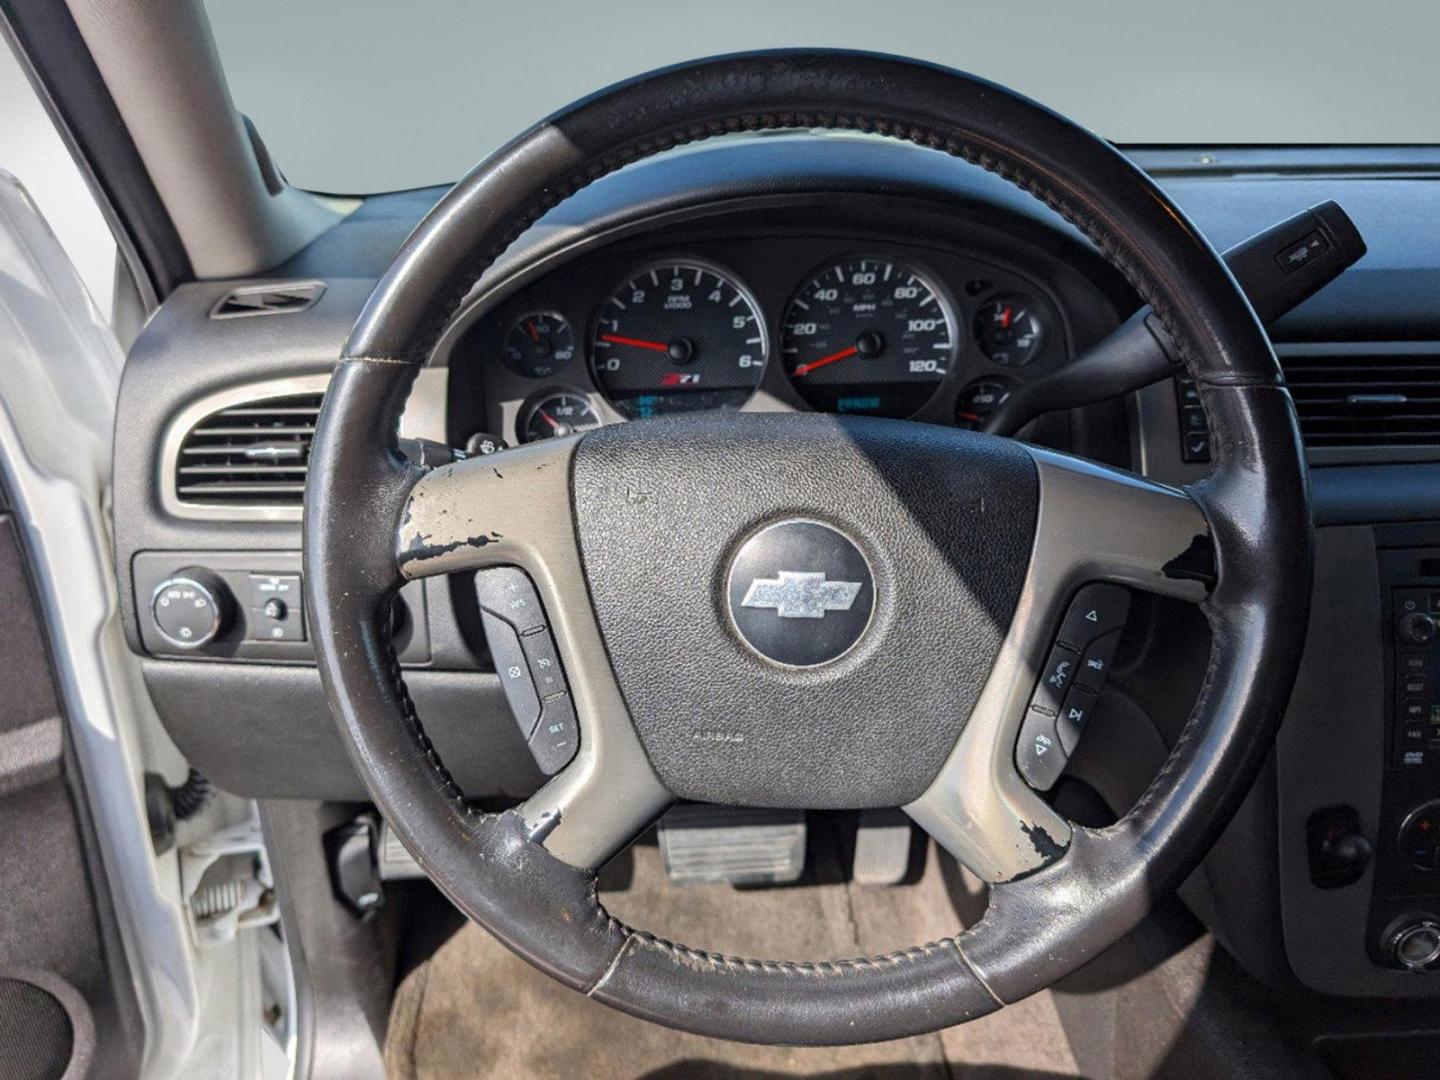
(945, 520)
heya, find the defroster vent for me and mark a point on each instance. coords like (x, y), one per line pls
(251, 454)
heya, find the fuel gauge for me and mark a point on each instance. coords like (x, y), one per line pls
(554, 413)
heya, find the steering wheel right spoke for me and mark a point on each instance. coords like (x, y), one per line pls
(514, 510)
(1098, 528)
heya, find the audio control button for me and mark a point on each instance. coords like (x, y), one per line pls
(1038, 753)
(1096, 610)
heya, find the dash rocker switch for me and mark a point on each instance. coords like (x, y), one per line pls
(528, 665)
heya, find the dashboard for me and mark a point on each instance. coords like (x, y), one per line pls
(859, 307)
(755, 258)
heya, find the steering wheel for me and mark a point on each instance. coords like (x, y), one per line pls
(967, 549)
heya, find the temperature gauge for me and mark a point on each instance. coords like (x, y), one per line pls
(557, 412)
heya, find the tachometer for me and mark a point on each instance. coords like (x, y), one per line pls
(679, 336)
(869, 336)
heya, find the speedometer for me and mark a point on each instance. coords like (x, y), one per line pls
(679, 336)
(870, 336)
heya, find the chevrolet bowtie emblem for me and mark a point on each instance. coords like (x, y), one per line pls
(800, 595)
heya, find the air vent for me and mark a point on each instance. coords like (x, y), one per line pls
(274, 299)
(1365, 396)
(252, 454)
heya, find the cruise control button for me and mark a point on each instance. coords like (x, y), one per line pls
(544, 663)
(506, 591)
(514, 672)
(1038, 754)
(1074, 716)
(557, 736)
(1095, 661)
(1096, 610)
(1055, 678)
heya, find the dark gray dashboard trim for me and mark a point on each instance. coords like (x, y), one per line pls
(265, 731)
(1330, 751)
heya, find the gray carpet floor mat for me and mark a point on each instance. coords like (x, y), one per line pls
(475, 1010)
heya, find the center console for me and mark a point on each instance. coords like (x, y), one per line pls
(1404, 920)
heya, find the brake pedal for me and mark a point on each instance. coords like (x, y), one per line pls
(735, 844)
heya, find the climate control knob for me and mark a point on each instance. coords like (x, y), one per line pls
(191, 608)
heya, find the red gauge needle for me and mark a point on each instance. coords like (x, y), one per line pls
(534, 334)
(805, 369)
(555, 424)
(1005, 317)
(616, 339)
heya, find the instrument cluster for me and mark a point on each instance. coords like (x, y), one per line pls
(832, 325)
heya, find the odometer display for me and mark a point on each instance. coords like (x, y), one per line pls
(679, 336)
(868, 336)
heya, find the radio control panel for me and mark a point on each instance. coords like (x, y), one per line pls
(1405, 900)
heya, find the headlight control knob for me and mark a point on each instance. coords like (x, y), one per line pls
(191, 607)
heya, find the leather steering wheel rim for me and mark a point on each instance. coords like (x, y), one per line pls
(1041, 924)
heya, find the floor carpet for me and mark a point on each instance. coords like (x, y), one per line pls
(474, 1010)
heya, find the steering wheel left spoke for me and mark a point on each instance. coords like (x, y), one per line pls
(515, 510)
(1095, 525)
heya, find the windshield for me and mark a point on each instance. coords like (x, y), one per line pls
(373, 95)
